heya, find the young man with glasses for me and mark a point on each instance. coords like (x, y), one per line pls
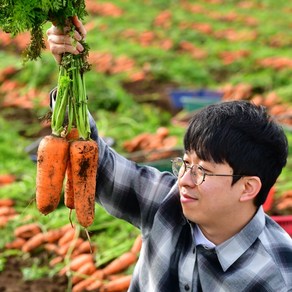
(203, 227)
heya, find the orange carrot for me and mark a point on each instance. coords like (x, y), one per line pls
(6, 179)
(6, 202)
(84, 247)
(68, 236)
(34, 242)
(27, 230)
(55, 261)
(84, 157)
(53, 235)
(137, 245)
(117, 285)
(17, 243)
(120, 263)
(69, 192)
(76, 263)
(94, 279)
(51, 247)
(52, 160)
(62, 250)
(94, 286)
(86, 270)
(5, 210)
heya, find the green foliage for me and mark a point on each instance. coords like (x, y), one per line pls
(31, 15)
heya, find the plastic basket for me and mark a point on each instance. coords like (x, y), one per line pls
(180, 98)
(285, 221)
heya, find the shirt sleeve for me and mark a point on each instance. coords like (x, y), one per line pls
(128, 190)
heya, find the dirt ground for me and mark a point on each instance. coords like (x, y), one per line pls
(11, 280)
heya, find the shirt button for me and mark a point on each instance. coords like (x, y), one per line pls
(187, 287)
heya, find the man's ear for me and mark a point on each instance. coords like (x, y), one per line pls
(251, 187)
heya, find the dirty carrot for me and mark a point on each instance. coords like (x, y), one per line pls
(68, 191)
(52, 160)
(120, 263)
(84, 157)
(117, 285)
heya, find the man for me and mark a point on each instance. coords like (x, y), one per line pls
(203, 228)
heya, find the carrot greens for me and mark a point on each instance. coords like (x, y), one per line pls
(17, 16)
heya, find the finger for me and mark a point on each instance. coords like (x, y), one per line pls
(79, 26)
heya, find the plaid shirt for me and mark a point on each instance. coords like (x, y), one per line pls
(258, 258)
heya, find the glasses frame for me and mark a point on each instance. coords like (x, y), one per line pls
(186, 167)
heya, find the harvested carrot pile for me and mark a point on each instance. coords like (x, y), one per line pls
(7, 211)
(76, 257)
(155, 145)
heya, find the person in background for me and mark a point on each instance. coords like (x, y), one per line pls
(203, 226)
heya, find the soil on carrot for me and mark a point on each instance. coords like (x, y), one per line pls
(11, 279)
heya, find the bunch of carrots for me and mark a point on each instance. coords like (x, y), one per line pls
(76, 257)
(68, 152)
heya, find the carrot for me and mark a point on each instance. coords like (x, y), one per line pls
(84, 247)
(84, 157)
(53, 235)
(120, 263)
(4, 211)
(94, 279)
(4, 220)
(17, 243)
(34, 242)
(27, 230)
(6, 179)
(55, 261)
(117, 285)
(52, 160)
(62, 250)
(76, 263)
(68, 236)
(6, 202)
(51, 247)
(69, 192)
(86, 270)
(137, 245)
(94, 286)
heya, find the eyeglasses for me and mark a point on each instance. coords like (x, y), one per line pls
(198, 174)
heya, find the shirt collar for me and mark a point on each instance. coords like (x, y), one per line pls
(200, 238)
(230, 250)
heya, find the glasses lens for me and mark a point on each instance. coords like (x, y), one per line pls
(177, 166)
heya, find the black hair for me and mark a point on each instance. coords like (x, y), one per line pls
(243, 135)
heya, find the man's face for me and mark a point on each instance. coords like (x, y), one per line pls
(215, 201)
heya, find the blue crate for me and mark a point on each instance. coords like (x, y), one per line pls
(179, 98)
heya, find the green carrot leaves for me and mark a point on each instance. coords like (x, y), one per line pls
(17, 16)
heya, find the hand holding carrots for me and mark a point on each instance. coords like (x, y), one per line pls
(60, 42)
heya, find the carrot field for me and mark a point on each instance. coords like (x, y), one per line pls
(141, 52)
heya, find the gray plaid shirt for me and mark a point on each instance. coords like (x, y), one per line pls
(258, 258)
